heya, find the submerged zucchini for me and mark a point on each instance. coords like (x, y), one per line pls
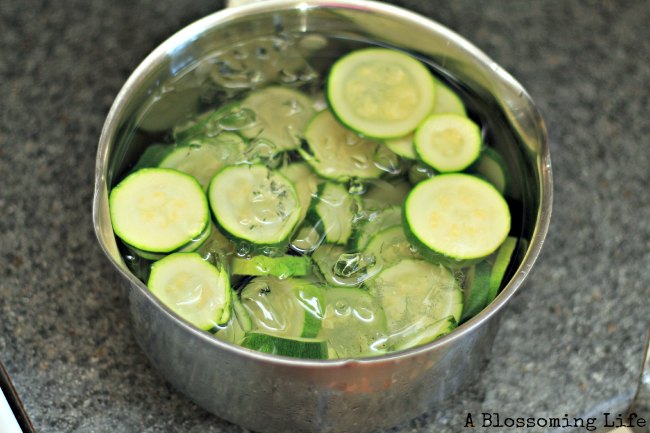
(254, 204)
(337, 153)
(193, 288)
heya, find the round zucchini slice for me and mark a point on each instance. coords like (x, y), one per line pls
(456, 215)
(337, 153)
(254, 204)
(193, 288)
(380, 93)
(281, 115)
(158, 210)
(448, 142)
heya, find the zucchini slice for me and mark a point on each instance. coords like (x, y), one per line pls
(290, 308)
(416, 290)
(375, 221)
(202, 158)
(448, 142)
(334, 210)
(281, 115)
(447, 101)
(337, 153)
(281, 267)
(380, 93)
(254, 204)
(389, 246)
(423, 333)
(493, 168)
(193, 288)
(306, 348)
(239, 324)
(344, 268)
(477, 289)
(500, 266)
(353, 324)
(158, 209)
(305, 181)
(382, 193)
(458, 216)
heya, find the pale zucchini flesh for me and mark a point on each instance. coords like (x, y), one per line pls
(158, 210)
(281, 114)
(254, 204)
(458, 216)
(193, 288)
(448, 142)
(337, 153)
(380, 93)
(414, 289)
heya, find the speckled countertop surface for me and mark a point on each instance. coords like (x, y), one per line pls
(570, 343)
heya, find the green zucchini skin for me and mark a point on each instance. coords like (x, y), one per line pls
(324, 223)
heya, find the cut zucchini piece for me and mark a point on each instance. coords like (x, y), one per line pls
(158, 210)
(380, 93)
(239, 324)
(307, 238)
(281, 267)
(281, 115)
(288, 308)
(414, 289)
(493, 168)
(254, 204)
(390, 246)
(419, 334)
(337, 153)
(375, 221)
(305, 181)
(419, 172)
(353, 324)
(344, 268)
(500, 266)
(306, 348)
(334, 210)
(403, 146)
(457, 216)
(382, 193)
(447, 101)
(202, 158)
(477, 289)
(193, 288)
(448, 142)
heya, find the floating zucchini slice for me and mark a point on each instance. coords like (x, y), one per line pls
(448, 142)
(380, 93)
(158, 210)
(457, 216)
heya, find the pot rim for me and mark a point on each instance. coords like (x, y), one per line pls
(200, 26)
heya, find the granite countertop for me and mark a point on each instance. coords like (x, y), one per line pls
(570, 342)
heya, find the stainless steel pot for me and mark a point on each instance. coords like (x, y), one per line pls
(275, 394)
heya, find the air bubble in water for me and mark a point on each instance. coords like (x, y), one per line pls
(342, 308)
(387, 161)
